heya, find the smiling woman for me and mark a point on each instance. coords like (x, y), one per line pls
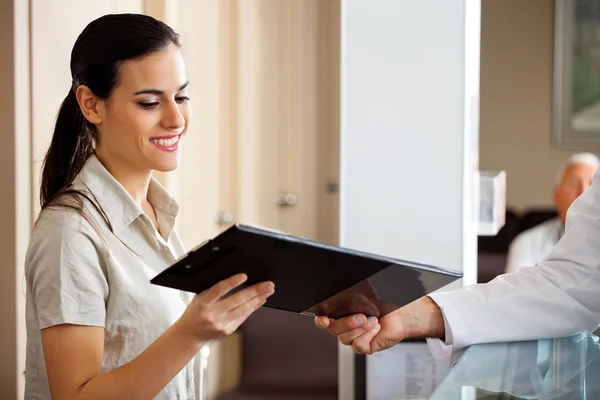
(141, 129)
(96, 327)
(167, 142)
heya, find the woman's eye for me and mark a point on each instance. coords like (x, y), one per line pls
(182, 99)
(148, 106)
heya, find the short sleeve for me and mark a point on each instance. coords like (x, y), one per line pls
(65, 271)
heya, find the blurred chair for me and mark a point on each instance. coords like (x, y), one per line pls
(285, 357)
(492, 250)
(534, 217)
(502, 240)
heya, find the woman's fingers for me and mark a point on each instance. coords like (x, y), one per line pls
(226, 301)
(262, 290)
(239, 314)
(222, 288)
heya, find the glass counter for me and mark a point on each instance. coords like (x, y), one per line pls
(565, 368)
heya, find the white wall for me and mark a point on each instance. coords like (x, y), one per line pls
(409, 136)
(405, 153)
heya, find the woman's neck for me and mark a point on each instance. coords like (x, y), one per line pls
(136, 182)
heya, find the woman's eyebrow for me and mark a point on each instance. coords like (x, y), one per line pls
(160, 92)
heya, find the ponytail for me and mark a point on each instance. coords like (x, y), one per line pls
(72, 144)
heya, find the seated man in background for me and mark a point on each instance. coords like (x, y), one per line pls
(533, 245)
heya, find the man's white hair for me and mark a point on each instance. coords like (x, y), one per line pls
(579, 158)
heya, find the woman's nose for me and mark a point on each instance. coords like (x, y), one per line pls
(173, 118)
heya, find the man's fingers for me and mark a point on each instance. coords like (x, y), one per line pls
(346, 324)
(348, 337)
(222, 288)
(362, 344)
(322, 322)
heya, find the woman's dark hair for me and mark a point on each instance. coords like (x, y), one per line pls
(96, 57)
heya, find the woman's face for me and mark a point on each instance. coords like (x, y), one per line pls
(143, 122)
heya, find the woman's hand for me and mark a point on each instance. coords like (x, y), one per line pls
(213, 313)
(73, 353)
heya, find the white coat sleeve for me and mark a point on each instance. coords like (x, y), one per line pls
(559, 297)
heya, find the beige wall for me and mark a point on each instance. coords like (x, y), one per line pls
(8, 337)
(15, 207)
(516, 98)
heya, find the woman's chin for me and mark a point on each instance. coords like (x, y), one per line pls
(166, 164)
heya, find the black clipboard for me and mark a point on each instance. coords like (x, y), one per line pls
(310, 278)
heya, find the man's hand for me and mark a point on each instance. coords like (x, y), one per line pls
(419, 319)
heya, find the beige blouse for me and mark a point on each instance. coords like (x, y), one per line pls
(77, 275)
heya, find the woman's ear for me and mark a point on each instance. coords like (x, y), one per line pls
(88, 104)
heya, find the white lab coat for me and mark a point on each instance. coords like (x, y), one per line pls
(533, 245)
(559, 297)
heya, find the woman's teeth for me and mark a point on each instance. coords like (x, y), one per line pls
(166, 142)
